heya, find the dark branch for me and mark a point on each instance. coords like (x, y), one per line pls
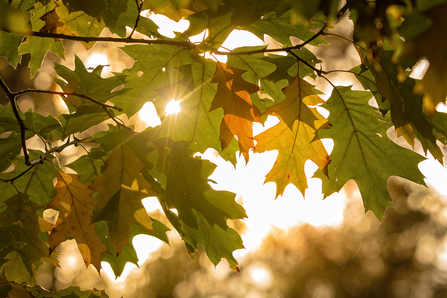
(11, 96)
(68, 94)
(286, 49)
(139, 6)
(185, 44)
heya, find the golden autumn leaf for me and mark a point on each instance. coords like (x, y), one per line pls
(294, 136)
(75, 204)
(121, 188)
(233, 95)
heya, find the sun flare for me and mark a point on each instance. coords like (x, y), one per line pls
(173, 107)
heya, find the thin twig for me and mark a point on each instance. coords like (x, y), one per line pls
(68, 94)
(286, 49)
(59, 149)
(139, 6)
(11, 97)
(185, 44)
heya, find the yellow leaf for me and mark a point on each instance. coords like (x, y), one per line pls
(407, 132)
(294, 137)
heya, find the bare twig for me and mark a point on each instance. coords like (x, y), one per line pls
(11, 96)
(75, 142)
(139, 6)
(68, 94)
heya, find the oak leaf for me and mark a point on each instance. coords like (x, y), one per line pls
(75, 204)
(121, 188)
(434, 83)
(294, 136)
(233, 95)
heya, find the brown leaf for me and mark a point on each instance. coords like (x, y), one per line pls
(233, 95)
(75, 204)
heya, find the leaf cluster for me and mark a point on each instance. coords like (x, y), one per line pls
(101, 205)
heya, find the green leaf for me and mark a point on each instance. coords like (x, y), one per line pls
(121, 190)
(406, 107)
(21, 209)
(34, 122)
(128, 19)
(89, 166)
(81, 81)
(109, 10)
(13, 19)
(281, 30)
(9, 43)
(202, 211)
(11, 147)
(77, 23)
(9, 243)
(195, 122)
(38, 47)
(84, 118)
(128, 253)
(36, 182)
(155, 67)
(363, 152)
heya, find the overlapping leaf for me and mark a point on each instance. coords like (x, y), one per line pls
(36, 182)
(155, 67)
(121, 188)
(81, 81)
(9, 43)
(108, 10)
(363, 152)
(406, 107)
(21, 210)
(75, 205)
(34, 122)
(294, 137)
(39, 46)
(194, 122)
(202, 211)
(79, 23)
(281, 29)
(233, 95)
(434, 83)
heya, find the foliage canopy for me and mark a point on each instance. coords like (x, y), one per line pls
(100, 206)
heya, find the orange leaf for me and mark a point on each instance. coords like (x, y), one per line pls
(233, 95)
(75, 204)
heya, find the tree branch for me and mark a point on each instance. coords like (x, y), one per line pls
(67, 94)
(139, 6)
(11, 96)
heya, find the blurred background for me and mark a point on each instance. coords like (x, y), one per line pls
(295, 246)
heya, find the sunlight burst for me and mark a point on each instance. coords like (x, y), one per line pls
(173, 107)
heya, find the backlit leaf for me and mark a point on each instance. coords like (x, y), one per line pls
(233, 95)
(294, 137)
(121, 188)
(363, 152)
(75, 205)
